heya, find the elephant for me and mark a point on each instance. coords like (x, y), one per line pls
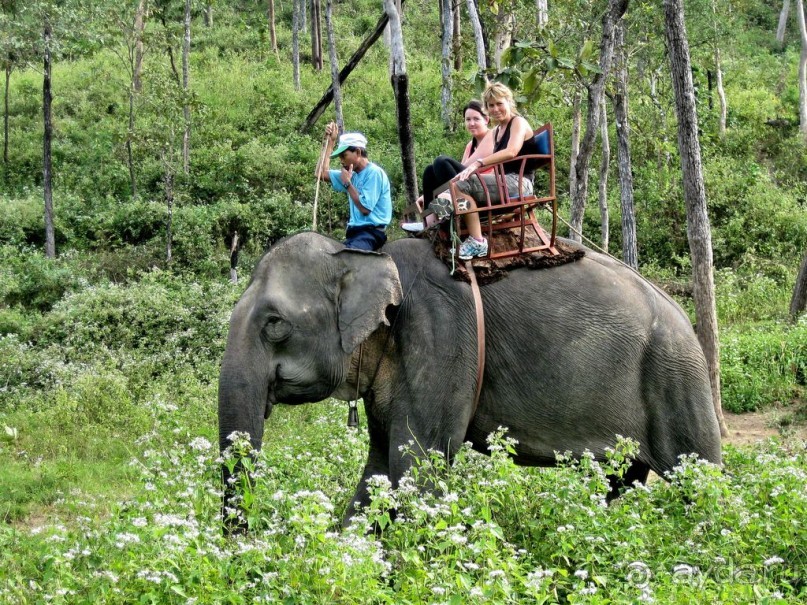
(575, 355)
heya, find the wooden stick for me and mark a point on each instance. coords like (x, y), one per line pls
(319, 179)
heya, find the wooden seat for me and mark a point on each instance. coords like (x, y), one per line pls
(516, 214)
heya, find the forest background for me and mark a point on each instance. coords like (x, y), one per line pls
(110, 343)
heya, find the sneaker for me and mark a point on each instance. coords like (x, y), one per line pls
(471, 248)
(412, 227)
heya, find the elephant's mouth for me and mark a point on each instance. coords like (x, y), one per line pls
(293, 392)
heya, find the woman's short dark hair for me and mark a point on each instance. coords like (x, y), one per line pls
(476, 106)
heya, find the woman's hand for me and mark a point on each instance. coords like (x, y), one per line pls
(466, 174)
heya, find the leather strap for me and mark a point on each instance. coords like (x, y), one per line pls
(480, 333)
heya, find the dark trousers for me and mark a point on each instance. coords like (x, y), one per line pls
(440, 171)
(365, 238)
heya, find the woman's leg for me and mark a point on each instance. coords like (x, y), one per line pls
(439, 172)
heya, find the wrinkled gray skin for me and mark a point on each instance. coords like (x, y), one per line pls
(575, 355)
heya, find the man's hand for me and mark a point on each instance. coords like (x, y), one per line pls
(347, 175)
(332, 130)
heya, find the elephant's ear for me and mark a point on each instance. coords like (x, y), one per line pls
(369, 284)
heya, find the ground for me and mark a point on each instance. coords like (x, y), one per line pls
(751, 427)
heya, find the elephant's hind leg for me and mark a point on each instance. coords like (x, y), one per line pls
(637, 471)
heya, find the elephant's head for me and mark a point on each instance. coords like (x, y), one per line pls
(309, 305)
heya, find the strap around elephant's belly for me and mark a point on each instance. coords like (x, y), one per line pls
(480, 334)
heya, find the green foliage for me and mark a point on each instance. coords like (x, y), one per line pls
(763, 364)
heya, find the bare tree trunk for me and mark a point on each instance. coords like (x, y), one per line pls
(457, 44)
(575, 142)
(186, 75)
(630, 252)
(799, 300)
(335, 85)
(209, 15)
(663, 158)
(802, 70)
(234, 259)
(139, 25)
(168, 190)
(616, 8)
(604, 165)
(541, 12)
(780, 31)
(721, 93)
(295, 43)
(47, 181)
(698, 229)
(505, 24)
(5, 112)
(303, 17)
(316, 35)
(319, 108)
(473, 17)
(270, 17)
(448, 29)
(400, 87)
(129, 137)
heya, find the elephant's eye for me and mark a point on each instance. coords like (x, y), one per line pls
(277, 329)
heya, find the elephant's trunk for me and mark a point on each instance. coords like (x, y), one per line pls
(243, 406)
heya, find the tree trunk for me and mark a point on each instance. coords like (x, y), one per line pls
(129, 137)
(335, 86)
(319, 108)
(802, 70)
(575, 143)
(780, 31)
(630, 254)
(799, 300)
(698, 230)
(616, 8)
(541, 12)
(604, 165)
(5, 112)
(447, 38)
(295, 43)
(400, 87)
(663, 157)
(47, 181)
(234, 259)
(721, 93)
(139, 25)
(316, 35)
(270, 17)
(209, 15)
(479, 39)
(457, 43)
(186, 74)
(168, 186)
(505, 24)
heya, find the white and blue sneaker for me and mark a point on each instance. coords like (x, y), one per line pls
(416, 227)
(472, 248)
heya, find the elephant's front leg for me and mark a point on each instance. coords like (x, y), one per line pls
(377, 464)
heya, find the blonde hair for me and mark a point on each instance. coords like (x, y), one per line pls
(496, 91)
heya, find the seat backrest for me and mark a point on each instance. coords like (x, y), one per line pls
(542, 142)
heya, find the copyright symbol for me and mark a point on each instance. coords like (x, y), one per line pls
(639, 574)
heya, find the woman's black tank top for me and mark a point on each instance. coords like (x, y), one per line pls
(529, 147)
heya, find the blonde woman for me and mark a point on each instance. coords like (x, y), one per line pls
(512, 138)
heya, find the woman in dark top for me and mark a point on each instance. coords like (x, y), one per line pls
(513, 137)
